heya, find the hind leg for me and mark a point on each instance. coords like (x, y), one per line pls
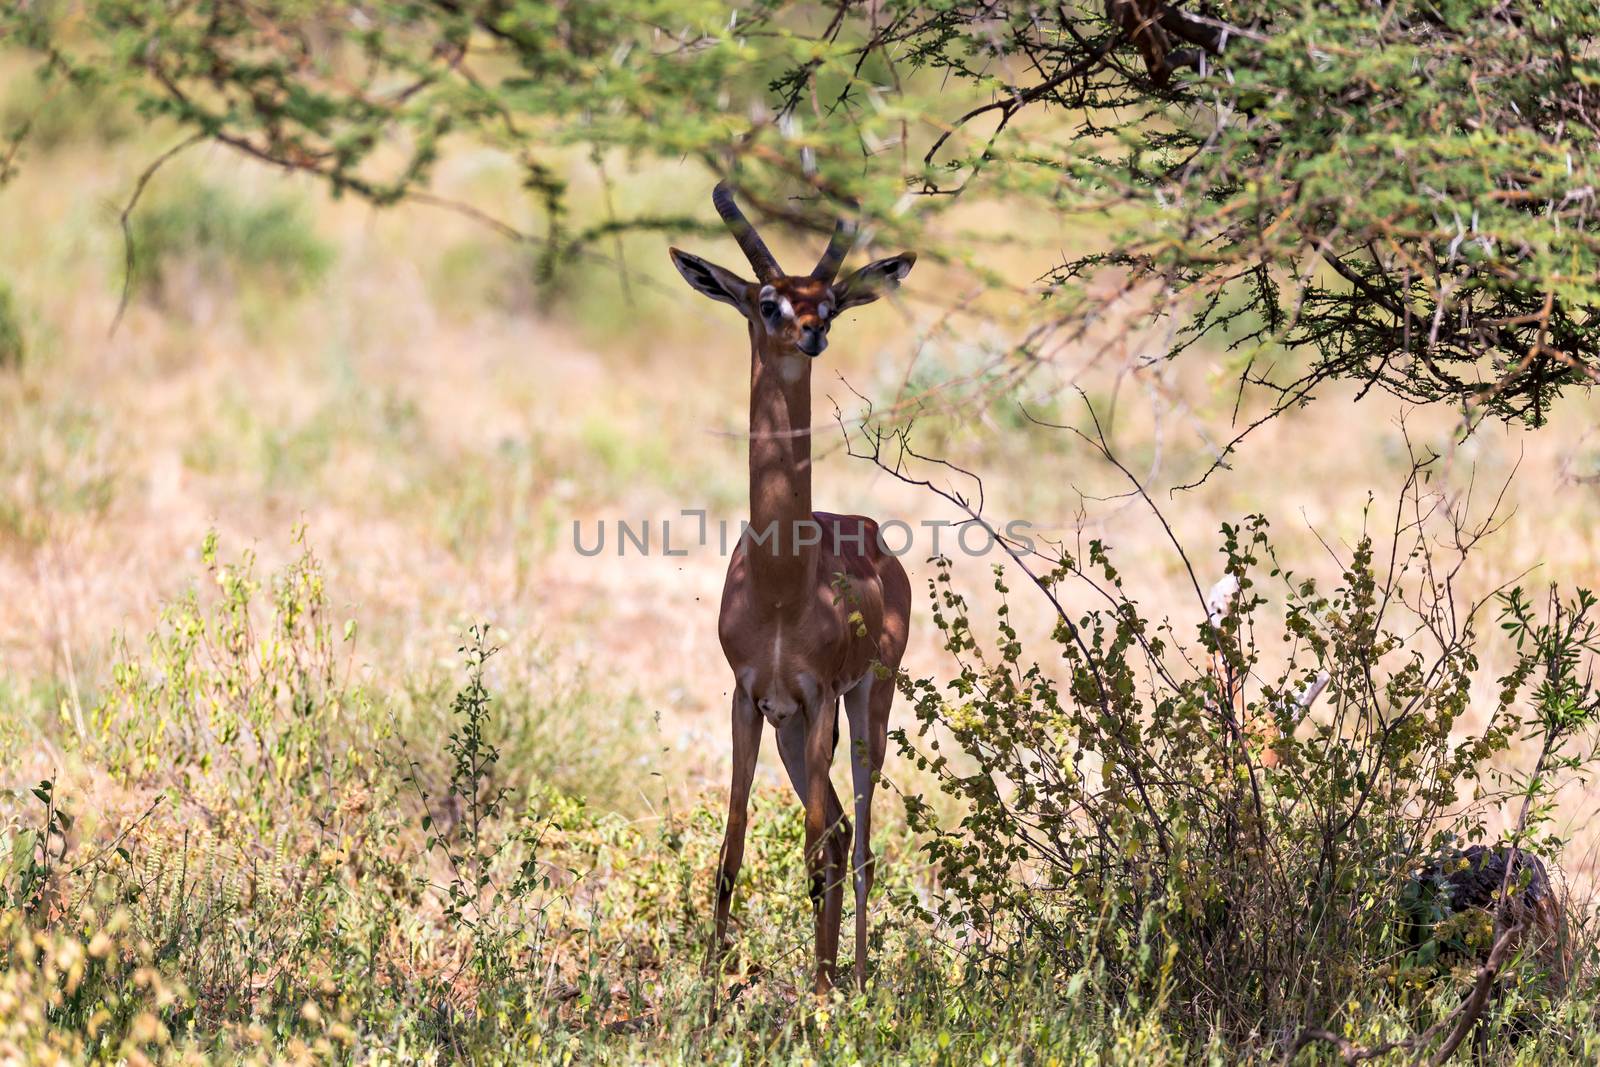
(867, 706)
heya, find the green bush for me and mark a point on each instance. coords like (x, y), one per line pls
(223, 237)
(12, 346)
(1221, 856)
(56, 112)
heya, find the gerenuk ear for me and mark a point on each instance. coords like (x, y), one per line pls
(712, 280)
(870, 282)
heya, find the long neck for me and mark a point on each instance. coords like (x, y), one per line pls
(780, 476)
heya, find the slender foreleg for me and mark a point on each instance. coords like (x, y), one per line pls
(746, 746)
(793, 738)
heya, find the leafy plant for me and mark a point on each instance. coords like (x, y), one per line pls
(34, 854)
(1160, 810)
(498, 907)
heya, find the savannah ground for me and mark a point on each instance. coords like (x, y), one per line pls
(244, 538)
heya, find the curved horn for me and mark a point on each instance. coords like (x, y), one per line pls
(844, 236)
(754, 248)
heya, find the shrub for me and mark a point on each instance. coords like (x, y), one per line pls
(12, 347)
(1131, 814)
(222, 237)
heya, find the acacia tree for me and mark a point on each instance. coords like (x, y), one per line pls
(1398, 194)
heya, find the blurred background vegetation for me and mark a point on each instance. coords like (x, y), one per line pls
(390, 281)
